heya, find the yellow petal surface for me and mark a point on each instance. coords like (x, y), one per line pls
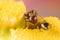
(11, 12)
(53, 33)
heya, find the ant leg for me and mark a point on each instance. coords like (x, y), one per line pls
(38, 26)
(30, 25)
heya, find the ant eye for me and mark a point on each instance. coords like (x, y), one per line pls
(45, 25)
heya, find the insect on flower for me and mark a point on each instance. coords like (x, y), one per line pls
(32, 22)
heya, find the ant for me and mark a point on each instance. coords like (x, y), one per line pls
(32, 21)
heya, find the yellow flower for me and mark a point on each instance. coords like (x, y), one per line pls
(53, 33)
(11, 13)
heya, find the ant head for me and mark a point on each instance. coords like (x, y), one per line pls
(33, 13)
(31, 16)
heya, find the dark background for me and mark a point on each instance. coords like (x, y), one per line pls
(44, 7)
